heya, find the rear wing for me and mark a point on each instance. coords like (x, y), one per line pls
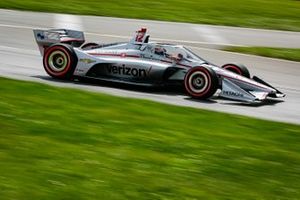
(45, 38)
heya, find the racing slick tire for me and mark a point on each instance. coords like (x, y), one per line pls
(201, 82)
(88, 46)
(60, 61)
(238, 69)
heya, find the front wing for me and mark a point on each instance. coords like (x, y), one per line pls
(232, 91)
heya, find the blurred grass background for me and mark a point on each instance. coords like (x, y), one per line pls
(69, 144)
(269, 14)
(282, 53)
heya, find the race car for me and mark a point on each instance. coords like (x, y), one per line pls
(140, 62)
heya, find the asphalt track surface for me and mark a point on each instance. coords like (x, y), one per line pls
(20, 59)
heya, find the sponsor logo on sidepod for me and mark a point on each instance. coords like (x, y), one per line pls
(129, 71)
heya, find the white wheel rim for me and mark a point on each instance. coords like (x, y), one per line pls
(57, 61)
(198, 82)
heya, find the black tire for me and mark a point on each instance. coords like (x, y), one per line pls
(201, 82)
(60, 61)
(89, 45)
(238, 69)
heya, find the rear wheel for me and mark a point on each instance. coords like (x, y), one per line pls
(238, 69)
(60, 61)
(201, 82)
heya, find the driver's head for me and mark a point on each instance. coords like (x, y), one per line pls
(159, 51)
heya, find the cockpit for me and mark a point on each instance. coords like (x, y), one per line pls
(175, 52)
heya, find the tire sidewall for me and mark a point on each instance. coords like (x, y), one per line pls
(237, 68)
(210, 87)
(66, 50)
(88, 46)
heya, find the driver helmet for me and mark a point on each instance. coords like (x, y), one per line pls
(159, 51)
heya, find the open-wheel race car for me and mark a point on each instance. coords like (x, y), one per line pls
(140, 62)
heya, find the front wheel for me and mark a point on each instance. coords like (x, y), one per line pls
(238, 69)
(60, 61)
(201, 82)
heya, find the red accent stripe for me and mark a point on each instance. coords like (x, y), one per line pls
(115, 55)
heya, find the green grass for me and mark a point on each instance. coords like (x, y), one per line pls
(270, 14)
(68, 144)
(282, 53)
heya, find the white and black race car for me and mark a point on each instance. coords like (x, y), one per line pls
(140, 62)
